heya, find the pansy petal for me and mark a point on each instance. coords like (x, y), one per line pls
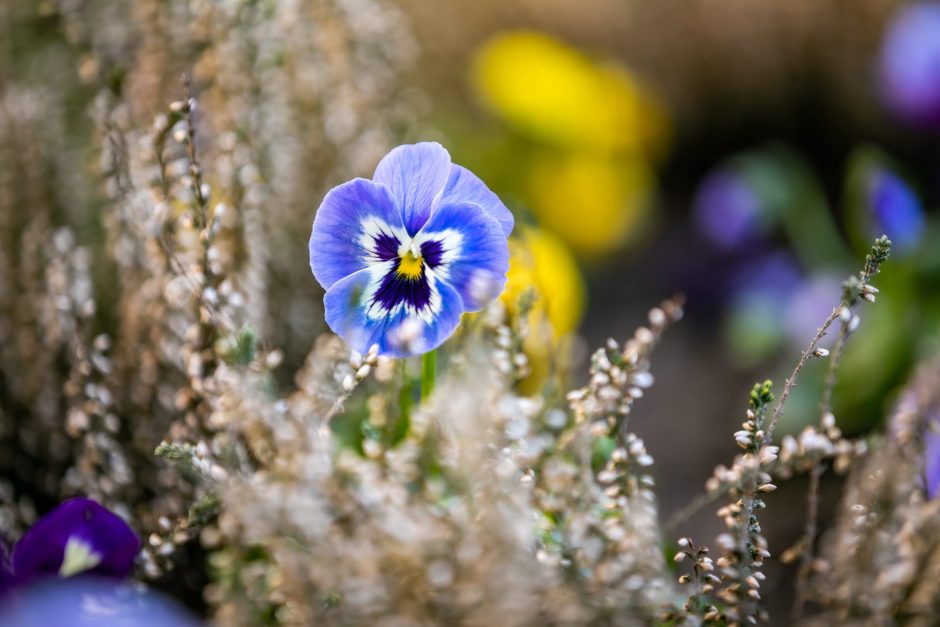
(355, 315)
(467, 248)
(92, 602)
(351, 228)
(83, 528)
(416, 174)
(464, 186)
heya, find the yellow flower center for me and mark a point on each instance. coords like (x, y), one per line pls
(409, 266)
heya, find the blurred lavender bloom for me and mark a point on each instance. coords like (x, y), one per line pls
(762, 289)
(91, 602)
(727, 209)
(78, 536)
(776, 274)
(910, 64)
(896, 211)
(811, 302)
(932, 459)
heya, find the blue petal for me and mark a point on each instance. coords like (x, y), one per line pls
(354, 314)
(464, 186)
(897, 211)
(416, 174)
(92, 602)
(357, 224)
(467, 248)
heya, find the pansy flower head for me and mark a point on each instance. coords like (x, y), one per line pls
(403, 255)
(79, 536)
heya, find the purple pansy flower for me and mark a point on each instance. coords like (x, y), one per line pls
(403, 255)
(79, 536)
(910, 64)
(896, 210)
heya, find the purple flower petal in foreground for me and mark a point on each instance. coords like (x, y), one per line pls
(402, 256)
(91, 602)
(79, 536)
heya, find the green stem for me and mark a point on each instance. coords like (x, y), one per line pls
(428, 373)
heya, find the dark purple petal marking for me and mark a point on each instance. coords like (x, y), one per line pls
(397, 288)
(386, 246)
(432, 251)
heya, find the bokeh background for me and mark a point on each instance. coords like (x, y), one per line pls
(742, 152)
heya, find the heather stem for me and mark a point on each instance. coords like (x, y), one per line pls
(428, 373)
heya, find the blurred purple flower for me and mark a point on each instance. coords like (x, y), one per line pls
(932, 459)
(777, 273)
(79, 536)
(811, 302)
(727, 209)
(909, 65)
(896, 211)
(91, 602)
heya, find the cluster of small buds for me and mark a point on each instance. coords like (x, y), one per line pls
(620, 374)
(198, 458)
(624, 474)
(158, 555)
(510, 335)
(813, 445)
(330, 375)
(744, 547)
(881, 561)
(703, 580)
(362, 366)
(882, 558)
(600, 514)
(857, 288)
(849, 319)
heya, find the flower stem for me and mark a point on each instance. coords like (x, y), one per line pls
(428, 373)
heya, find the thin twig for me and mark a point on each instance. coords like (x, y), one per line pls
(693, 507)
(812, 497)
(790, 383)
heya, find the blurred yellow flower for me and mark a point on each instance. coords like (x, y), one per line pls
(541, 262)
(595, 201)
(550, 90)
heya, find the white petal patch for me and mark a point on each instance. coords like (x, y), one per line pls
(79, 557)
